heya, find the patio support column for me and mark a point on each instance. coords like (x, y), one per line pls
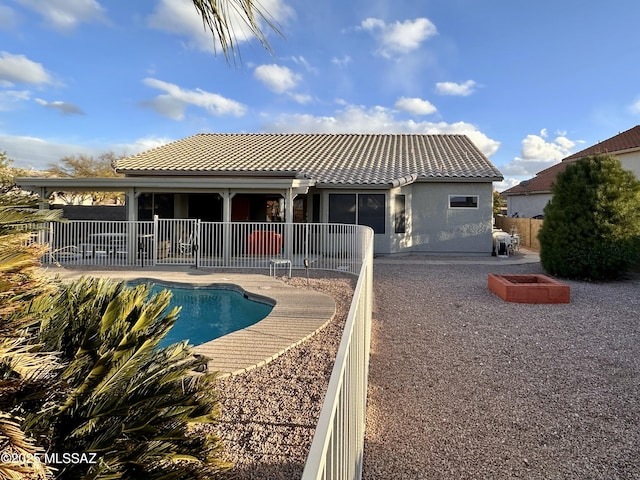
(226, 226)
(131, 203)
(288, 215)
(45, 236)
(226, 205)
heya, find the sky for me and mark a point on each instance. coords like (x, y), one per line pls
(529, 82)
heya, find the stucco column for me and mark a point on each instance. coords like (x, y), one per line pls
(131, 215)
(226, 205)
(131, 204)
(227, 196)
(288, 215)
(288, 205)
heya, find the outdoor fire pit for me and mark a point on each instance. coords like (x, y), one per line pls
(529, 288)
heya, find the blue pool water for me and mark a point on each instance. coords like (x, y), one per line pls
(209, 313)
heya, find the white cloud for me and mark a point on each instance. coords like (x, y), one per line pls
(179, 17)
(19, 69)
(62, 107)
(506, 184)
(301, 98)
(277, 79)
(416, 106)
(66, 14)
(341, 62)
(535, 147)
(635, 107)
(538, 154)
(139, 145)
(38, 153)
(358, 119)
(8, 18)
(399, 38)
(300, 60)
(174, 102)
(457, 89)
(9, 98)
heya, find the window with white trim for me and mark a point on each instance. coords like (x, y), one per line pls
(463, 201)
(358, 209)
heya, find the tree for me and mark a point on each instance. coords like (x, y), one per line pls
(498, 203)
(591, 227)
(10, 193)
(86, 166)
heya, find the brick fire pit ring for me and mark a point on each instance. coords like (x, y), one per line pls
(534, 288)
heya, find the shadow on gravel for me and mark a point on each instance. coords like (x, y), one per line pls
(273, 471)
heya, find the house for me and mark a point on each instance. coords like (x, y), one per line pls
(529, 198)
(419, 193)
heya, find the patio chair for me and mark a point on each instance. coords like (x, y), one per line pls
(186, 246)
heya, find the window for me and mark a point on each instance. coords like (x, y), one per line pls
(150, 204)
(371, 211)
(400, 219)
(462, 201)
(342, 208)
(315, 208)
(361, 209)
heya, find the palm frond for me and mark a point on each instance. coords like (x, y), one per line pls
(15, 442)
(218, 17)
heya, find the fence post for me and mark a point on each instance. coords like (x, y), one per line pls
(50, 249)
(196, 241)
(155, 240)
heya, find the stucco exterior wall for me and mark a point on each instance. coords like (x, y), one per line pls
(630, 161)
(435, 228)
(527, 206)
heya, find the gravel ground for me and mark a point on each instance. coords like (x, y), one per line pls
(466, 386)
(269, 414)
(462, 384)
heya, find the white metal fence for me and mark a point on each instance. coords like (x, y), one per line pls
(338, 444)
(337, 449)
(205, 244)
(103, 243)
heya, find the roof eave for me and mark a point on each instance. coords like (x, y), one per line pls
(208, 173)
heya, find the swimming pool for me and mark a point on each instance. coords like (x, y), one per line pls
(209, 312)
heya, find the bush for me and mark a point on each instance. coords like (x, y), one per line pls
(591, 227)
(118, 395)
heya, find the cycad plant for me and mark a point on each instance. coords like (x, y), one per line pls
(80, 373)
(26, 373)
(121, 398)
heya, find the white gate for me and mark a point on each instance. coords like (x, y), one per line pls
(178, 241)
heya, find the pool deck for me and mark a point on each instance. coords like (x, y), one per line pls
(297, 314)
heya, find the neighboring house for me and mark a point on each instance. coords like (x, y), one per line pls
(419, 193)
(529, 198)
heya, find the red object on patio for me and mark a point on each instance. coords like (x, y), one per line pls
(262, 242)
(529, 288)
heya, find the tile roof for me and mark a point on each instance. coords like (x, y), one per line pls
(542, 182)
(627, 140)
(331, 159)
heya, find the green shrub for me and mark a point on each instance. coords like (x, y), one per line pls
(119, 396)
(591, 228)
